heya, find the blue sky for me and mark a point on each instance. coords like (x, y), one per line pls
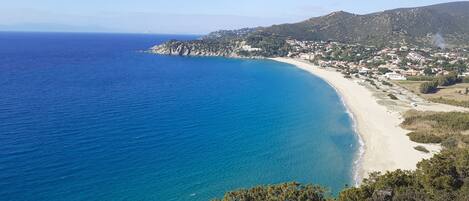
(175, 16)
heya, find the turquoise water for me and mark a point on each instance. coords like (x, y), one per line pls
(90, 117)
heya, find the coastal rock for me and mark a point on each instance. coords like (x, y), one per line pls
(234, 49)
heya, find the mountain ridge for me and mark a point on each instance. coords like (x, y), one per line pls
(440, 25)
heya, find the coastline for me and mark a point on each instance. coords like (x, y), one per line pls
(384, 145)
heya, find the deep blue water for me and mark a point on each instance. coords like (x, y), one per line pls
(90, 117)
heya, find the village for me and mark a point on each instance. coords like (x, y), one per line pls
(394, 63)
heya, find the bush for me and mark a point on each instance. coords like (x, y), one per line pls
(429, 87)
(443, 177)
(451, 142)
(422, 149)
(424, 137)
(384, 70)
(420, 78)
(287, 191)
(447, 80)
(386, 83)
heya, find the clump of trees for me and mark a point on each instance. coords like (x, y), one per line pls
(443, 177)
(445, 80)
(288, 191)
(429, 87)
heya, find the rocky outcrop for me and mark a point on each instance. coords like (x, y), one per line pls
(235, 49)
(194, 48)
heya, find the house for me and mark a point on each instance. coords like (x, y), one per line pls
(411, 72)
(364, 71)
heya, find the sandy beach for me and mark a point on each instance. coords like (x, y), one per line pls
(386, 146)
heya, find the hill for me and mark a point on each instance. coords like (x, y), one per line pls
(441, 25)
(421, 26)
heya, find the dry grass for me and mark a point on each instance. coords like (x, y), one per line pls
(450, 129)
(449, 95)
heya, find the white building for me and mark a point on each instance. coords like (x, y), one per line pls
(364, 71)
(394, 76)
(250, 49)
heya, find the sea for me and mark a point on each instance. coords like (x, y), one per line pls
(86, 116)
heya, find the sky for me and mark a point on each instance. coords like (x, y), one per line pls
(175, 16)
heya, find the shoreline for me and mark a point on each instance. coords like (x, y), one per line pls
(384, 145)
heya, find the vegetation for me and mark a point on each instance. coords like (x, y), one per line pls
(428, 71)
(383, 70)
(445, 80)
(438, 127)
(428, 87)
(443, 177)
(281, 192)
(270, 44)
(422, 137)
(386, 83)
(451, 102)
(370, 29)
(422, 149)
(420, 78)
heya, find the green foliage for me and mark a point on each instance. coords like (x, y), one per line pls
(421, 137)
(281, 192)
(386, 83)
(420, 78)
(438, 127)
(271, 45)
(428, 71)
(428, 87)
(447, 80)
(443, 177)
(371, 29)
(422, 149)
(383, 70)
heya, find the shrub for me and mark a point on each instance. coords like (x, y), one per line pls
(447, 80)
(420, 78)
(443, 177)
(422, 149)
(386, 83)
(287, 191)
(383, 70)
(424, 137)
(429, 87)
(451, 142)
